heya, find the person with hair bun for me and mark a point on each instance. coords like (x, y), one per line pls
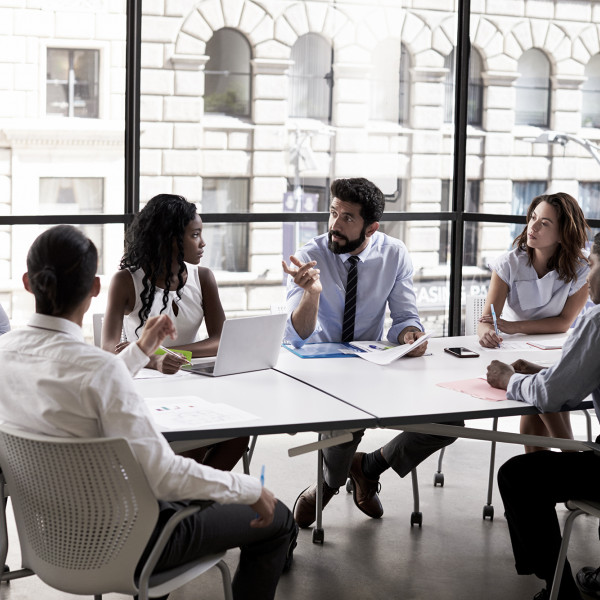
(540, 287)
(159, 274)
(54, 383)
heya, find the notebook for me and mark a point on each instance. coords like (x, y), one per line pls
(247, 344)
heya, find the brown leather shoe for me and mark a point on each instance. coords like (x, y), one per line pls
(364, 491)
(305, 507)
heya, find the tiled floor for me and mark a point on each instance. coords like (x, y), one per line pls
(455, 555)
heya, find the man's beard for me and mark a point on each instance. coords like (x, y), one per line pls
(349, 246)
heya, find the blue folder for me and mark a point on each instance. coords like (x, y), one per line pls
(322, 350)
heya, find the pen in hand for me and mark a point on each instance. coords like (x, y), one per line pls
(180, 356)
(262, 482)
(495, 323)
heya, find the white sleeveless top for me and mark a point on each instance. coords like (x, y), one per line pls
(190, 310)
(529, 296)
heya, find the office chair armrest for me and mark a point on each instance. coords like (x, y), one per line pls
(193, 507)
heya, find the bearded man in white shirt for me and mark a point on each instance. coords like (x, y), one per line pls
(56, 384)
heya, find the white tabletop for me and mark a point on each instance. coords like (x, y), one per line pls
(281, 403)
(406, 391)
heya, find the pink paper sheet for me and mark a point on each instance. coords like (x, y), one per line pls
(479, 388)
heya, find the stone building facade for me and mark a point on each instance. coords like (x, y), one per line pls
(388, 95)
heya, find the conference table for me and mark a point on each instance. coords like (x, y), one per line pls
(407, 391)
(406, 394)
(349, 393)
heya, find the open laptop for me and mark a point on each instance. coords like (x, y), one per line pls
(247, 344)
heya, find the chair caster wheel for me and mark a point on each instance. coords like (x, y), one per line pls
(5, 570)
(349, 485)
(488, 512)
(416, 518)
(318, 536)
(438, 479)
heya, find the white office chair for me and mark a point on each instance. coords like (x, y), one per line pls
(85, 512)
(578, 508)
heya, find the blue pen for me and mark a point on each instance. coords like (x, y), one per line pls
(495, 323)
(262, 482)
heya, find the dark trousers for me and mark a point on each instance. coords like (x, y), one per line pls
(403, 453)
(531, 485)
(221, 527)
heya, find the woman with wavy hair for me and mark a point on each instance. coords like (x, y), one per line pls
(540, 287)
(159, 274)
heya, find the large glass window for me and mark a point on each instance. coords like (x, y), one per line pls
(311, 78)
(62, 135)
(227, 74)
(72, 82)
(533, 89)
(590, 109)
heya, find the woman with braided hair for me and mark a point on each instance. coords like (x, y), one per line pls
(159, 274)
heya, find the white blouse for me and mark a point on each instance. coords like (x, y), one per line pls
(531, 297)
(190, 311)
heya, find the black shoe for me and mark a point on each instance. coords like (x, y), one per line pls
(542, 595)
(289, 557)
(588, 580)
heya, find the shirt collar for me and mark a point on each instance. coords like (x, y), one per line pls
(362, 255)
(57, 324)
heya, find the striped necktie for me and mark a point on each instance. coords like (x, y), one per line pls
(350, 305)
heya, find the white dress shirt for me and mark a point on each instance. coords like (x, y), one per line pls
(572, 378)
(385, 275)
(54, 383)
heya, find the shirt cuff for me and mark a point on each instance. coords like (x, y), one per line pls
(292, 337)
(251, 489)
(396, 330)
(513, 389)
(134, 358)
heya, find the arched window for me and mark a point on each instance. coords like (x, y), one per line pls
(385, 82)
(475, 88)
(590, 108)
(227, 74)
(311, 78)
(404, 92)
(533, 89)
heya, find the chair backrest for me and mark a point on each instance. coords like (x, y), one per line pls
(83, 508)
(97, 319)
(475, 305)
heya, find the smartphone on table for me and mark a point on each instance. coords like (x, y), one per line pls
(461, 352)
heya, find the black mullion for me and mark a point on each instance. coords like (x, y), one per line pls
(132, 107)
(463, 47)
